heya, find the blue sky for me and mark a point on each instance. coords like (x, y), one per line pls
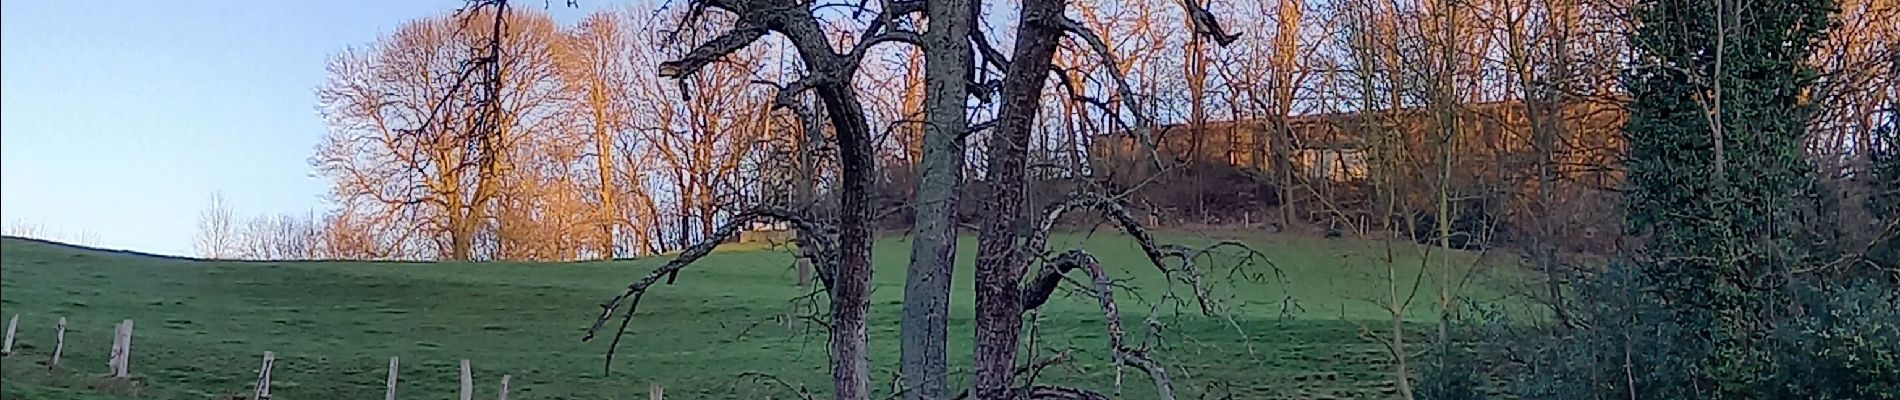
(121, 118)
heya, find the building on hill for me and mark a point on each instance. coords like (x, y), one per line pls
(1324, 164)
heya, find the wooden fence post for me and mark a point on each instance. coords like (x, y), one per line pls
(804, 272)
(391, 395)
(263, 377)
(59, 344)
(112, 361)
(12, 325)
(656, 392)
(468, 382)
(121, 359)
(125, 350)
(504, 387)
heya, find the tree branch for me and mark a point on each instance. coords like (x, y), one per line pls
(1157, 253)
(1111, 314)
(814, 242)
(727, 43)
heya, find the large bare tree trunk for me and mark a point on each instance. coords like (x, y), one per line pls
(947, 60)
(851, 293)
(999, 260)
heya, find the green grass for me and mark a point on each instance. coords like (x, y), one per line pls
(202, 327)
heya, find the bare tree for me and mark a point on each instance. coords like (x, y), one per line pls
(846, 270)
(702, 139)
(217, 230)
(594, 63)
(33, 230)
(419, 155)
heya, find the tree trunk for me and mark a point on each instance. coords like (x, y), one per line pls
(999, 261)
(603, 147)
(850, 351)
(1550, 127)
(462, 232)
(807, 186)
(939, 188)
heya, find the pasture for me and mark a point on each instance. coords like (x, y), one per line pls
(202, 326)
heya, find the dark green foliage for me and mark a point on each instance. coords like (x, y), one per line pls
(1845, 345)
(1716, 171)
(1460, 377)
(1711, 192)
(1456, 368)
(1627, 342)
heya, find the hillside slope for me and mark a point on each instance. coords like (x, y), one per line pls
(202, 326)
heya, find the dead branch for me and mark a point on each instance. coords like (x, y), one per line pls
(1038, 289)
(1157, 253)
(1206, 25)
(1047, 392)
(1035, 368)
(814, 242)
(1123, 355)
(727, 43)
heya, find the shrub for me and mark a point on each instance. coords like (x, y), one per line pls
(1832, 341)
(1845, 344)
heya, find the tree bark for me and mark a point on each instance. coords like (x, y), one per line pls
(850, 350)
(947, 60)
(999, 261)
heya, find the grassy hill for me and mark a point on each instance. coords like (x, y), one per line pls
(202, 326)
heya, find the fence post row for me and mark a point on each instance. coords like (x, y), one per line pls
(122, 351)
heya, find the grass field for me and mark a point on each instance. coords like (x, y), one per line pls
(202, 326)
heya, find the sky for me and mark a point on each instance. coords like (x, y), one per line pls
(120, 119)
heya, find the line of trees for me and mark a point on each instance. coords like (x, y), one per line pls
(642, 131)
(38, 230)
(599, 157)
(223, 234)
